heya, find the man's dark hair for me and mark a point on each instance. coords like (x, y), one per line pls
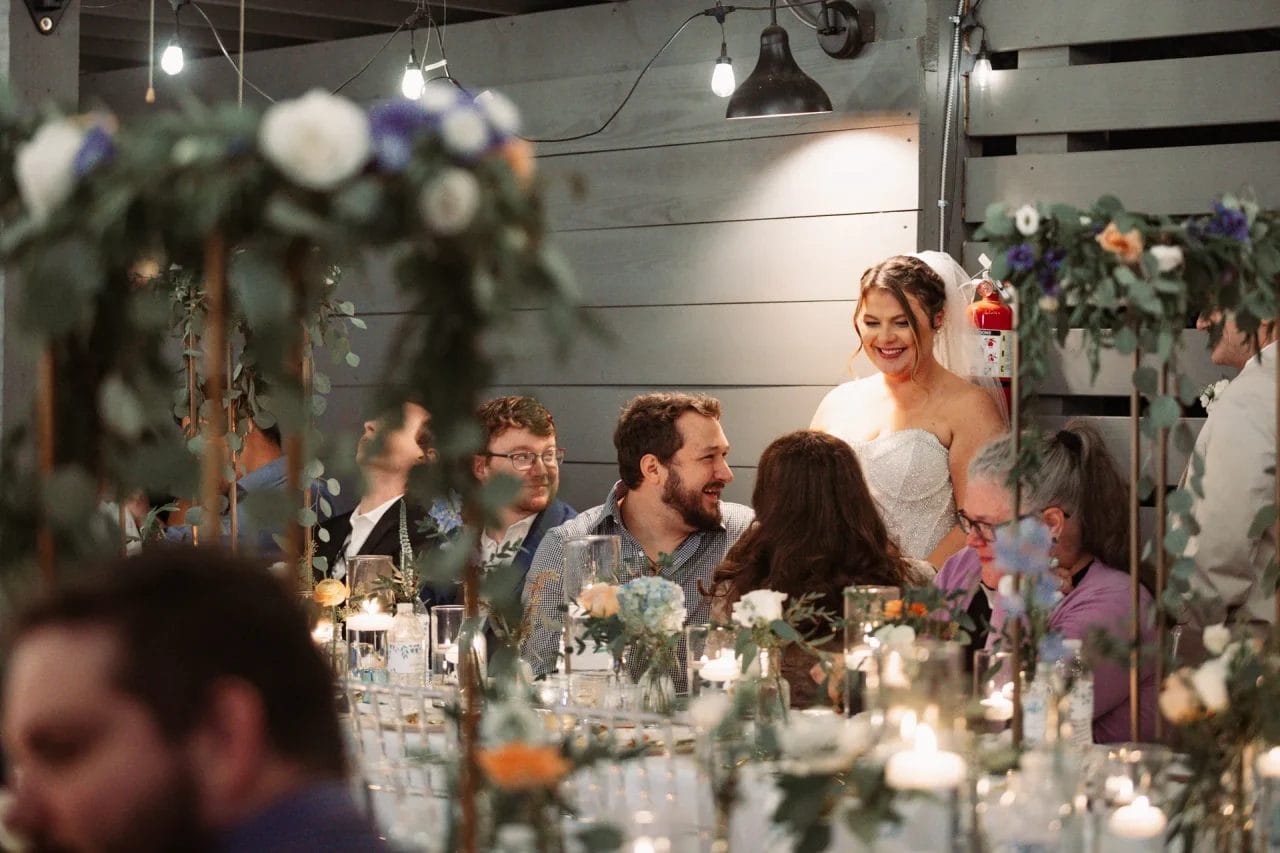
(188, 618)
(515, 412)
(648, 425)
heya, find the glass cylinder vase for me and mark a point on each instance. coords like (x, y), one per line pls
(864, 612)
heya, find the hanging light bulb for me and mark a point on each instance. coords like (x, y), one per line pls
(172, 60)
(412, 82)
(980, 77)
(722, 80)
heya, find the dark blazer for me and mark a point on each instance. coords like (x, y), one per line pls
(383, 540)
(556, 514)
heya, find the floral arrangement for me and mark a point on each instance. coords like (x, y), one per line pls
(765, 630)
(1210, 393)
(651, 612)
(929, 612)
(1028, 590)
(1221, 710)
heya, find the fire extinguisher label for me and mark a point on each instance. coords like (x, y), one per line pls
(994, 359)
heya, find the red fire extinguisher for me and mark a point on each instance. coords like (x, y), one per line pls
(994, 322)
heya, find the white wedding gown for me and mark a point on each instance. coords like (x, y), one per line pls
(909, 476)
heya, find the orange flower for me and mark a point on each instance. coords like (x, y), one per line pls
(1126, 246)
(599, 600)
(330, 592)
(893, 609)
(521, 767)
(918, 609)
(519, 156)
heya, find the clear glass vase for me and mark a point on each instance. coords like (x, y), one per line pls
(773, 694)
(657, 690)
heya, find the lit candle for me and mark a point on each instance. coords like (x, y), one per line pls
(1119, 789)
(924, 767)
(894, 674)
(1269, 763)
(372, 619)
(1139, 819)
(323, 633)
(450, 653)
(725, 669)
(998, 708)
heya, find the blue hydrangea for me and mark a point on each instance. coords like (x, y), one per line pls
(97, 147)
(651, 606)
(447, 514)
(1021, 257)
(1023, 548)
(1229, 222)
(394, 127)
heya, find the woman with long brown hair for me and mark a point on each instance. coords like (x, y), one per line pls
(817, 530)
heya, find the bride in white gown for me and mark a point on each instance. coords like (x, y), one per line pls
(915, 423)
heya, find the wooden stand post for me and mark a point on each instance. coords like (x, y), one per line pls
(470, 689)
(295, 444)
(1015, 423)
(1135, 550)
(1162, 557)
(46, 437)
(215, 346)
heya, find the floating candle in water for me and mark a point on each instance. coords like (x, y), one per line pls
(724, 669)
(1139, 819)
(372, 619)
(924, 767)
(1119, 789)
(998, 707)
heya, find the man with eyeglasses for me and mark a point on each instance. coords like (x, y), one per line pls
(520, 442)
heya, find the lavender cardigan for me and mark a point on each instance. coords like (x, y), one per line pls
(1101, 601)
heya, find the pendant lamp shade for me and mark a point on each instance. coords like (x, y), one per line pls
(777, 86)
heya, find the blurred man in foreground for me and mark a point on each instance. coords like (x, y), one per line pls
(174, 701)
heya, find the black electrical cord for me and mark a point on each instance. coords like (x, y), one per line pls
(223, 48)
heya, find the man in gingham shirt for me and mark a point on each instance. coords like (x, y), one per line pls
(673, 460)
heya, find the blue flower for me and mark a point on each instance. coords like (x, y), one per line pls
(446, 514)
(97, 147)
(1023, 548)
(1021, 257)
(394, 127)
(1228, 222)
(1052, 648)
(651, 606)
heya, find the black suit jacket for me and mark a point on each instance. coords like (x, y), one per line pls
(383, 540)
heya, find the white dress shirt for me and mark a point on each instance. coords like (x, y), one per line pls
(361, 527)
(514, 536)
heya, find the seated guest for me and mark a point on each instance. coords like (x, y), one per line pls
(520, 443)
(673, 461)
(174, 701)
(1081, 497)
(817, 529)
(383, 523)
(261, 475)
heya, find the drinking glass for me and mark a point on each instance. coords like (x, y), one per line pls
(588, 560)
(864, 612)
(446, 625)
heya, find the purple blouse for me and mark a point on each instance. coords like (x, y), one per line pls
(1101, 601)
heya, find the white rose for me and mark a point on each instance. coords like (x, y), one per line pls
(449, 203)
(1211, 393)
(1168, 258)
(464, 132)
(500, 112)
(1086, 221)
(895, 635)
(1215, 639)
(317, 141)
(1027, 220)
(758, 608)
(44, 166)
(1210, 682)
(820, 742)
(1048, 303)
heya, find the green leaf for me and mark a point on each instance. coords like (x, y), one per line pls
(1175, 540)
(353, 359)
(334, 487)
(1125, 341)
(1179, 500)
(599, 838)
(785, 631)
(1145, 379)
(1164, 412)
(307, 516)
(120, 407)
(358, 323)
(1263, 520)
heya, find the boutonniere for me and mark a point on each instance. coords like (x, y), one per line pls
(1212, 392)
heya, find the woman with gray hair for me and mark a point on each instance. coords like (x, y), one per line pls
(1079, 495)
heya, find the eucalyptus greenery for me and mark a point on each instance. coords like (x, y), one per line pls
(1132, 282)
(152, 194)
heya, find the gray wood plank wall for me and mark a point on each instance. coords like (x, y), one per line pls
(723, 256)
(1097, 103)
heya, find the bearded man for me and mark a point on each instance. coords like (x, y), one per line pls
(673, 462)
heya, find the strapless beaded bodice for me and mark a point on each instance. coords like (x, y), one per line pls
(910, 478)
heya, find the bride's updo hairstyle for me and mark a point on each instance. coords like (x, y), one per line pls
(903, 276)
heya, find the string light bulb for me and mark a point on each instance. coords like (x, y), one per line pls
(412, 82)
(981, 74)
(723, 81)
(172, 60)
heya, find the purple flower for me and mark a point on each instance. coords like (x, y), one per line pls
(1054, 257)
(1047, 272)
(394, 126)
(96, 148)
(1228, 222)
(1021, 257)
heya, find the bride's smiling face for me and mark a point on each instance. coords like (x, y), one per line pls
(886, 332)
